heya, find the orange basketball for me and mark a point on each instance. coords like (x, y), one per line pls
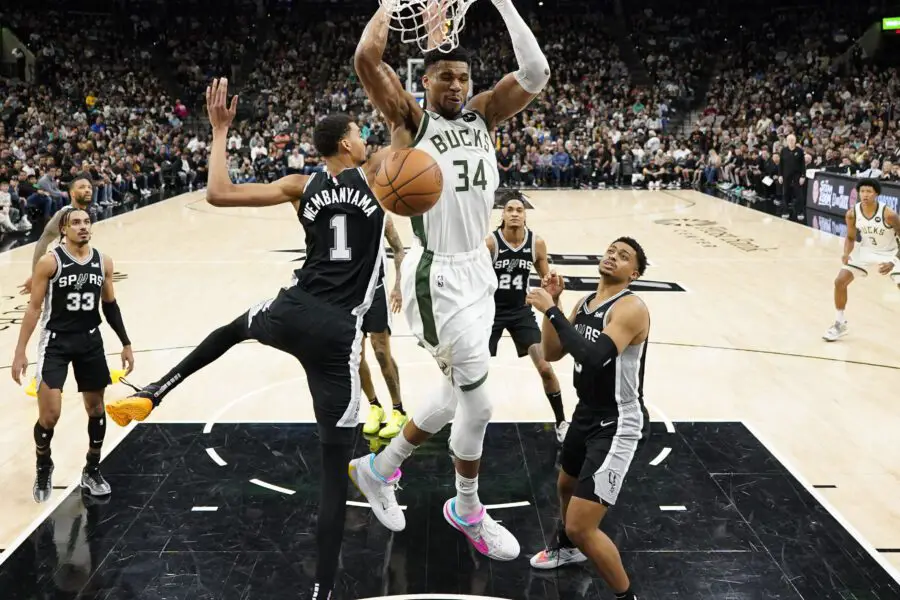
(408, 183)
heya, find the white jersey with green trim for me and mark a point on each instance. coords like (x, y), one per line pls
(463, 148)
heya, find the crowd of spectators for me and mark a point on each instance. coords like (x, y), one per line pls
(120, 95)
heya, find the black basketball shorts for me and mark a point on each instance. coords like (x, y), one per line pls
(327, 341)
(378, 318)
(522, 327)
(599, 449)
(83, 350)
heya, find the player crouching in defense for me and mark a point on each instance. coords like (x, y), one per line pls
(607, 336)
(878, 227)
(515, 250)
(70, 282)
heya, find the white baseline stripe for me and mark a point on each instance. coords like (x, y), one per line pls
(205, 509)
(215, 456)
(272, 487)
(53, 505)
(661, 456)
(672, 507)
(868, 547)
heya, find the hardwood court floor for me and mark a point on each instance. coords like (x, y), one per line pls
(741, 343)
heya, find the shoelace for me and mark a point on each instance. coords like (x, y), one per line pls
(43, 477)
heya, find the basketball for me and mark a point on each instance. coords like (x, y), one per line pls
(408, 183)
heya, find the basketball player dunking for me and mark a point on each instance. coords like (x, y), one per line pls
(377, 326)
(71, 283)
(607, 337)
(878, 227)
(318, 318)
(515, 249)
(447, 278)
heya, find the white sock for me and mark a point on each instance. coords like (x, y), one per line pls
(390, 459)
(467, 501)
(840, 317)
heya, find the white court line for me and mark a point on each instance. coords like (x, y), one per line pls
(273, 487)
(433, 597)
(672, 507)
(52, 506)
(661, 456)
(366, 505)
(670, 427)
(215, 456)
(868, 547)
(487, 506)
(507, 505)
(212, 421)
(205, 509)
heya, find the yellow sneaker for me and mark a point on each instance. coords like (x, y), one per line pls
(394, 425)
(135, 408)
(375, 443)
(374, 420)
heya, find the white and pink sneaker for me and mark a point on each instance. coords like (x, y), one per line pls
(484, 533)
(379, 492)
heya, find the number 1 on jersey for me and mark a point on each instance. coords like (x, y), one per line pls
(339, 250)
(478, 180)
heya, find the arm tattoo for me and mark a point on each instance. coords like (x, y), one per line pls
(396, 244)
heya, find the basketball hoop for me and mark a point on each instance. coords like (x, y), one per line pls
(431, 24)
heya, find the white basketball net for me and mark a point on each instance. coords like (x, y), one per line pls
(431, 24)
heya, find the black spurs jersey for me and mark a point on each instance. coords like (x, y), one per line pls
(513, 267)
(344, 226)
(620, 382)
(72, 303)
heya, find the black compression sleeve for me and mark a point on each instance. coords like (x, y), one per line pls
(114, 318)
(594, 354)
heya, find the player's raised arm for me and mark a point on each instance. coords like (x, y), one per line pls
(544, 298)
(381, 83)
(221, 191)
(516, 90)
(541, 262)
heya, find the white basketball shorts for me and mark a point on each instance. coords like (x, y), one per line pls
(865, 261)
(448, 300)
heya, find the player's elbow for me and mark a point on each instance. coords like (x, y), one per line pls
(217, 197)
(366, 58)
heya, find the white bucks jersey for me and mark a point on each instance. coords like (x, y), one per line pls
(463, 148)
(874, 232)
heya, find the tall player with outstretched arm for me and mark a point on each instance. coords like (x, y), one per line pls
(448, 278)
(318, 318)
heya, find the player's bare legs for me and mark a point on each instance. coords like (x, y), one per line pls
(551, 389)
(91, 478)
(49, 408)
(840, 328)
(583, 519)
(396, 419)
(579, 538)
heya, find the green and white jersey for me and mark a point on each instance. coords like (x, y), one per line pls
(463, 148)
